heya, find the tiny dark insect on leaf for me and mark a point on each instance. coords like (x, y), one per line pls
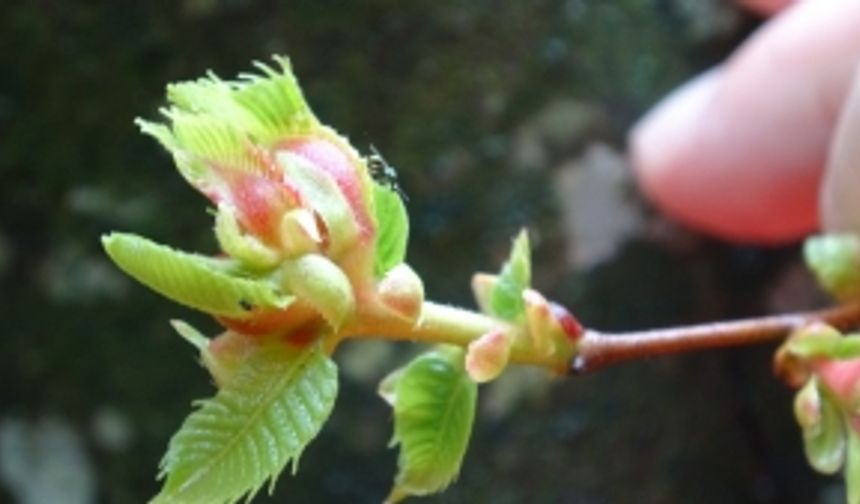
(383, 173)
(246, 305)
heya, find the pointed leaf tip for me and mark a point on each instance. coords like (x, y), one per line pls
(158, 131)
(204, 283)
(506, 297)
(190, 334)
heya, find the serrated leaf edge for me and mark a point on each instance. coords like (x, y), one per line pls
(285, 380)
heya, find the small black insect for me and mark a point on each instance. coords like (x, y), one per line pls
(383, 173)
(246, 305)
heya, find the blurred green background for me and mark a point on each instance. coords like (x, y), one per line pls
(498, 115)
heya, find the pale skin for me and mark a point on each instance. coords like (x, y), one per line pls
(764, 148)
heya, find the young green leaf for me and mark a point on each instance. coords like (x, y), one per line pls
(824, 341)
(848, 347)
(835, 260)
(434, 407)
(266, 107)
(392, 229)
(844, 347)
(823, 430)
(193, 280)
(506, 299)
(258, 422)
(216, 127)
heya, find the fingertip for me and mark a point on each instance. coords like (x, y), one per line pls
(660, 141)
(739, 152)
(690, 165)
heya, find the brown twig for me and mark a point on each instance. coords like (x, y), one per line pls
(598, 350)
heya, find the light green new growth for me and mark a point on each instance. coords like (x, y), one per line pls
(506, 299)
(830, 438)
(258, 422)
(837, 347)
(316, 280)
(823, 432)
(392, 231)
(835, 260)
(267, 107)
(244, 247)
(205, 138)
(214, 120)
(434, 407)
(203, 283)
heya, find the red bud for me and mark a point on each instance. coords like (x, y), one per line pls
(572, 328)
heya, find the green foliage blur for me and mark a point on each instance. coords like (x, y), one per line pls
(479, 104)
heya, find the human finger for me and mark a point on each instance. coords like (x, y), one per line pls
(739, 151)
(840, 192)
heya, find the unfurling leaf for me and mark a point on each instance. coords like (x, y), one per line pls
(392, 229)
(434, 407)
(218, 123)
(824, 341)
(506, 298)
(200, 282)
(267, 107)
(835, 260)
(244, 247)
(257, 423)
(318, 281)
(823, 432)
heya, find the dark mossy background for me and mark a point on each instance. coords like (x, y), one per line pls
(452, 93)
